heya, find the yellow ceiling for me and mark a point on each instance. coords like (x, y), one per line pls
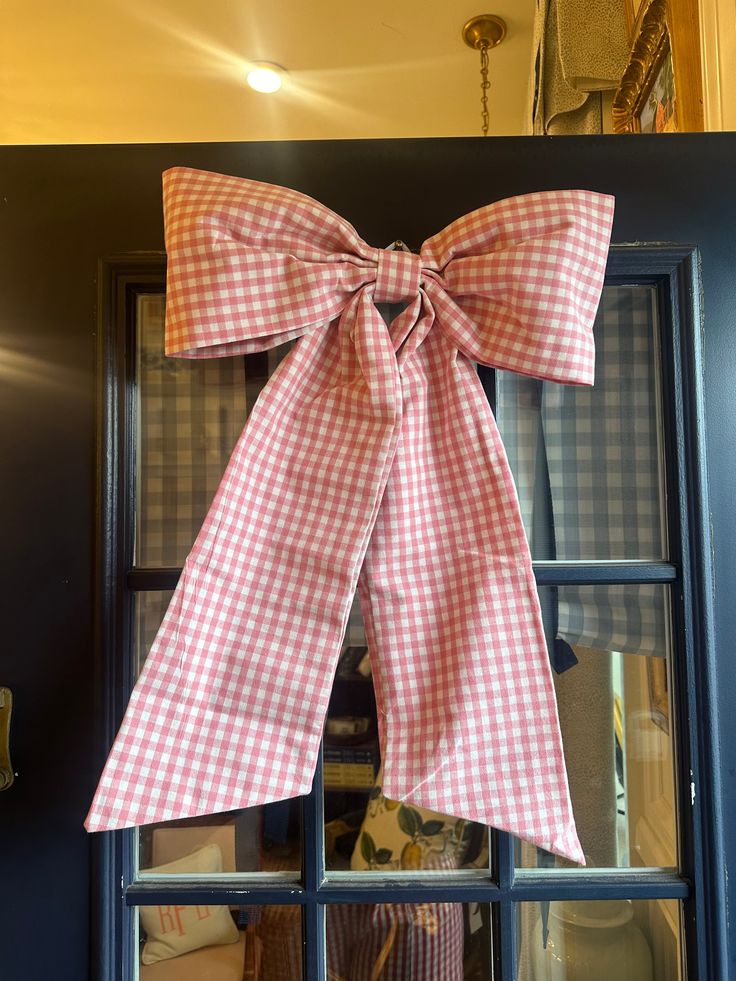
(130, 71)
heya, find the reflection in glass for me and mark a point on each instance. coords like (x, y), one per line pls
(265, 839)
(588, 461)
(609, 940)
(190, 943)
(365, 831)
(150, 608)
(190, 414)
(409, 942)
(611, 652)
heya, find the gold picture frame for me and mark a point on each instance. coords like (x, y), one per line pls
(662, 90)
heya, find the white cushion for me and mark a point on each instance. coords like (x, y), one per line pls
(174, 930)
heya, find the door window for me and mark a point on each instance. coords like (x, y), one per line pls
(348, 884)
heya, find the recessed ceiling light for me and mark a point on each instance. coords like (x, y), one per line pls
(265, 77)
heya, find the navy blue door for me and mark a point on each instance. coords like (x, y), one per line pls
(67, 213)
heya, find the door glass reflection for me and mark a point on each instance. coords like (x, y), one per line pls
(409, 942)
(219, 943)
(607, 940)
(190, 413)
(611, 651)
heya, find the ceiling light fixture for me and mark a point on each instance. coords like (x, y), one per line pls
(265, 77)
(482, 33)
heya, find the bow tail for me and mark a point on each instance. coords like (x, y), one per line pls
(467, 711)
(229, 708)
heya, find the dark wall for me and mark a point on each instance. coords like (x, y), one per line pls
(60, 210)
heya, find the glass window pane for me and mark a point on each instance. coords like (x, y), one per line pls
(588, 461)
(265, 839)
(605, 940)
(190, 414)
(612, 647)
(219, 943)
(409, 941)
(150, 608)
(365, 831)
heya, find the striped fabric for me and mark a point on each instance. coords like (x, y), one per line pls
(372, 454)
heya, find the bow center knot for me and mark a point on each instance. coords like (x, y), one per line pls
(397, 277)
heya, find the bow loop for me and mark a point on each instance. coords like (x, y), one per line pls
(524, 278)
(251, 265)
(516, 283)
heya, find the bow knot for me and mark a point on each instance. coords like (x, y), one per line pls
(398, 276)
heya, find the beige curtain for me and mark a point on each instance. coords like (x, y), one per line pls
(580, 50)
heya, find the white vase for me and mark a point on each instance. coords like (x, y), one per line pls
(593, 941)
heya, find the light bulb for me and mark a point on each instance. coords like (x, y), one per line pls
(265, 78)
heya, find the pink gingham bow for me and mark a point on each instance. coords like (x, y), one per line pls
(371, 458)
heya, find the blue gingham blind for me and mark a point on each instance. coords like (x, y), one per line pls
(587, 464)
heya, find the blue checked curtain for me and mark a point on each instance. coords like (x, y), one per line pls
(189, 417)
(587, 464)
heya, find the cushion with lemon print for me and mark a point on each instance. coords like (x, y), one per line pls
(396, 836)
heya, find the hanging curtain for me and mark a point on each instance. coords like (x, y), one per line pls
(587, 468)
(580, 50)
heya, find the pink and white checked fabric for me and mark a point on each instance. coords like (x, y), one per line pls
(371, 457)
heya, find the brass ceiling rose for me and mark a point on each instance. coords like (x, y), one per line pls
(484, 31)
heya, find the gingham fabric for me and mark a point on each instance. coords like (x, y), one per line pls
(395, 942)
(587, 468)
(372, 452)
